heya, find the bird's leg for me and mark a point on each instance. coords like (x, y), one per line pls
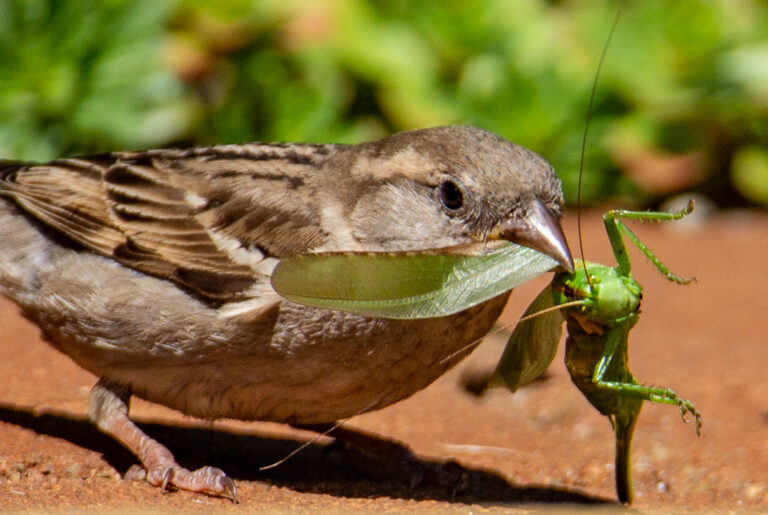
(108, 409)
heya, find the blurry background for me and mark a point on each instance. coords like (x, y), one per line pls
(682, 103)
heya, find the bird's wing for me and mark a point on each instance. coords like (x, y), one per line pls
(207, 219)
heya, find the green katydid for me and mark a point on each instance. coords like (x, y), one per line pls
(600, 305)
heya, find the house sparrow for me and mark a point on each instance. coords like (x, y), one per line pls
(151, 269)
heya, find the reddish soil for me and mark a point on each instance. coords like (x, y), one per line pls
(545, 445)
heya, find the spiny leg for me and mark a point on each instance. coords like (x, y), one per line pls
(653, 216)
(108, 409)
(638, 391)
(654, 394)
(615, 227)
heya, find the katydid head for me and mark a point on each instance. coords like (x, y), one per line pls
(606, 296)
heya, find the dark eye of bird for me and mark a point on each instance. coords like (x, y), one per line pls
(451, 195)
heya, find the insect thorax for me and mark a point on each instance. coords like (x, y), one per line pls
(608, 297)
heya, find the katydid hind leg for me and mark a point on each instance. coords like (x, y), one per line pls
(613, 374)
(653, 394)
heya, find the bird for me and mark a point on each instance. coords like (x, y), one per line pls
(151, 269)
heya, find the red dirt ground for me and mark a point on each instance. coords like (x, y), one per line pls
(544, 446)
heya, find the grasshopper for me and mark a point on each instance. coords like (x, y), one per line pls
(600, 305)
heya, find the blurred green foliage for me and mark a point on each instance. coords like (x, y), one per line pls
(82, 76)
(682, 103)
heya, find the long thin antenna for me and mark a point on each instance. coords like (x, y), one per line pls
(315, 438)
(504, 326)
(584, 139)
(303, 446)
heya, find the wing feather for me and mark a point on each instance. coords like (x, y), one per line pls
(204, 218)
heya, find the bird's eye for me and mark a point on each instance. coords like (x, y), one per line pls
(451, 196)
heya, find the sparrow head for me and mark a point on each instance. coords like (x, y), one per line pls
(447, 186)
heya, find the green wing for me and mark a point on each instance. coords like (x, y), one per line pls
(408, 284)
(532, 345)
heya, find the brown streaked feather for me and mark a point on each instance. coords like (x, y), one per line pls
(68, 197)
(201, 217)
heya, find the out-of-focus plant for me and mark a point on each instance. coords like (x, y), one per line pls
(682, 102)
(80, 75)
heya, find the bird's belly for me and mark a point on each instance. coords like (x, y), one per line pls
(329, 365)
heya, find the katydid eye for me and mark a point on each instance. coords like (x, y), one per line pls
(451, 196)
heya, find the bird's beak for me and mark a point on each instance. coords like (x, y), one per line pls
(540, 231)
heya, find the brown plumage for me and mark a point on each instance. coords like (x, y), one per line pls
(151, 269)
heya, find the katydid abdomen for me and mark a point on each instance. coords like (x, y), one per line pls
(584, 348)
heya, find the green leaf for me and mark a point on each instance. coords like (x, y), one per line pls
(408, 285)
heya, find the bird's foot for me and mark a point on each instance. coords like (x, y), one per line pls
(163, 471)
(109, 411)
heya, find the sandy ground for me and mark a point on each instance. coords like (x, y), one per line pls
(543, 447)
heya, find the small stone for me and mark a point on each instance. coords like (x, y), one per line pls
(108, 473)
(72, 470)
(754, 491)
(135, 473)
(34, 460)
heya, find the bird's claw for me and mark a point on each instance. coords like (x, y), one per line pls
(207, 480)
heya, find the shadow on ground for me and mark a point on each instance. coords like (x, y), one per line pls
(319, 468)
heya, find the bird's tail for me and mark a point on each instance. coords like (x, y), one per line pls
(7, 170)
(22, 247)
